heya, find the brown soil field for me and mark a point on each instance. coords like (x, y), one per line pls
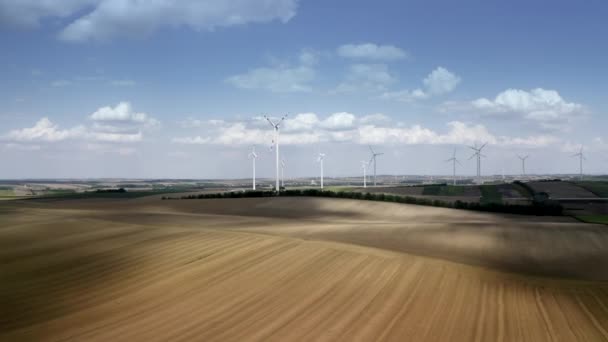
(307, 269)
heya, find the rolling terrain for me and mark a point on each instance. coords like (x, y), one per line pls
(276, 269)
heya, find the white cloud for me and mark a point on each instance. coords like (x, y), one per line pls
(309, 57)
(439, 81)
(377, 118)
(111, 125)
(366, 77)
(196, 123)
(28, 13)
(371, 51)
(405, 95)
(123, 113)
(117, 137)
(307, 128)
(198, 140)
(544, 106)
(105, 19)
(339, 121)
(46, 131)
(280, 79)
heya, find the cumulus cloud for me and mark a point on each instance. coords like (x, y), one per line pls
(105, 19)
(371, 51)
(440, 81)
(544, 106)
(46, 131)
(119, 124)
(308, 128)
(123, 112)
(366, 77)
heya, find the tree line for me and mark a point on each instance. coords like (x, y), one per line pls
(538, 207)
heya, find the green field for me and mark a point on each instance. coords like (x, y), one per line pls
(6, 192)
(443, 190)
(600, 188)
(490, 194)
(601, 219)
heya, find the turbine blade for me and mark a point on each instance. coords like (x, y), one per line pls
(371, 149)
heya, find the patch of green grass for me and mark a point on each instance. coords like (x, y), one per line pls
(490, 194)
(6, 193)
(600, 188)
(431, 190)
(443, 190)
(601, 219)
(338, 188)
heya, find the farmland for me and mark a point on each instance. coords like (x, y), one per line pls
(295, 269)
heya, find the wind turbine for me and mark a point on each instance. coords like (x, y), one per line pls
(581, 157)
(454, 161)
(478, 154)
(276, 145)
(253, 157)
(523, 163)
(320, 161)
(373, 159)
(282, 173)
(364, 166)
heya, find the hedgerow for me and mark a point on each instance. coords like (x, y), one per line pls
(538, 208)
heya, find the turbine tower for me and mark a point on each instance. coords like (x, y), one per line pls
(282, 173)
(581, 157)
(454, 162)
(523, 163)
(320, 161)
(478, 154)
(276, 146)
(373, 159)
(253, 157)
(364, 166)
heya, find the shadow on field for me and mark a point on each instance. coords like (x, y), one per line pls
(62, 272)
(531, 249)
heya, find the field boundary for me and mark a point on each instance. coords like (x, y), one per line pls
(537, 208)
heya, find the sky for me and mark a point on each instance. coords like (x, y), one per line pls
(179, 89)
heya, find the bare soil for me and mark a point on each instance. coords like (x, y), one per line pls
(309, 269)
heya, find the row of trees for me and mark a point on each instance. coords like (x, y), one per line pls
(539, 208)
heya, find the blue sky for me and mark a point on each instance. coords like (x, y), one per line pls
(118, 88)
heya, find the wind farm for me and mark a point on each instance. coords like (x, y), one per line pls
(292, 170)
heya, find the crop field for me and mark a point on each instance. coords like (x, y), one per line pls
(562, 189)
(309, 269)
(598, 188)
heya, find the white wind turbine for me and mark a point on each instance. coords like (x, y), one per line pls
(364, 166)
(320, 161)
(276, 146)
(373, 159)
(253, 157)
(523, 163)
(581, 157)
(454, 161)
(478, 155)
